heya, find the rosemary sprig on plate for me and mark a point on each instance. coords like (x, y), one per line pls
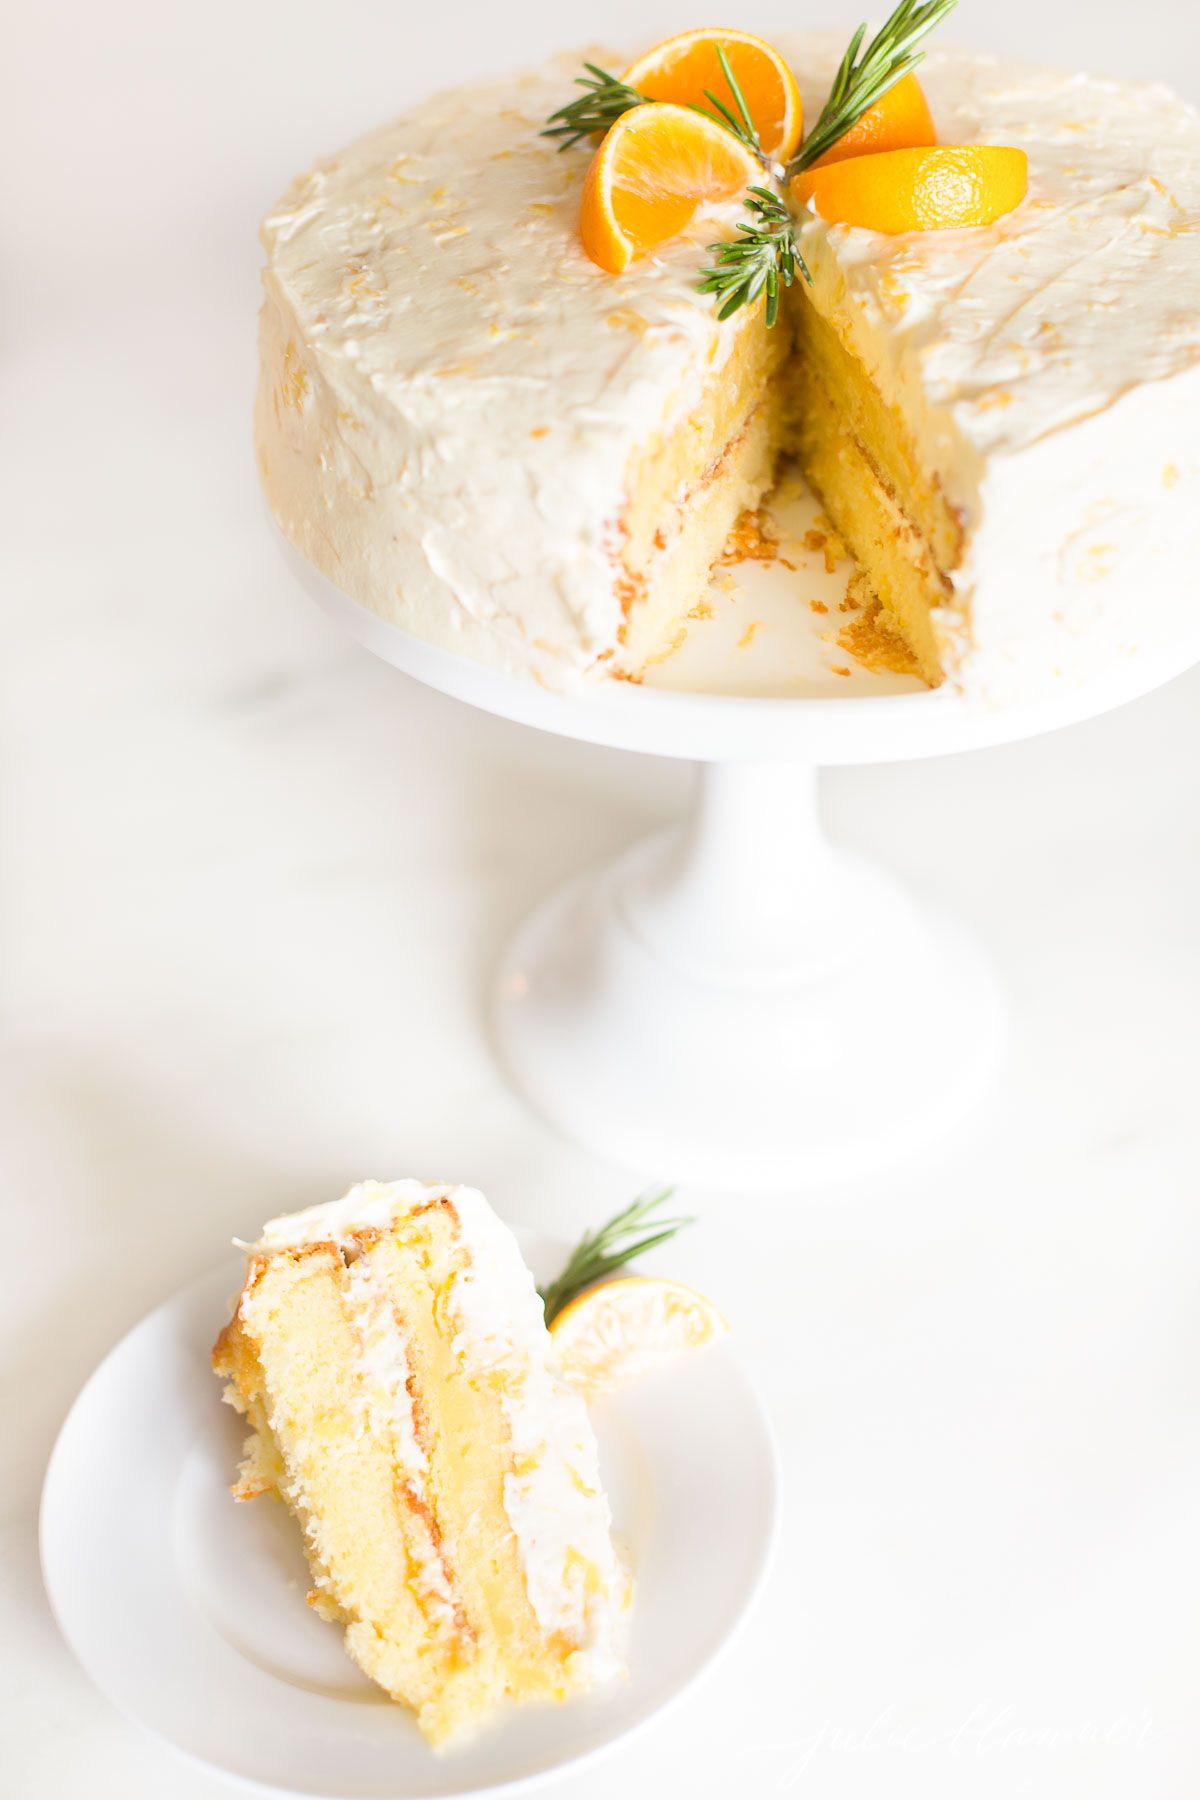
(605, 99)
(860, 82)
(626, 1235)
(756, 262)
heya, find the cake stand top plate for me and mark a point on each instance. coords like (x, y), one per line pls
(756, 674)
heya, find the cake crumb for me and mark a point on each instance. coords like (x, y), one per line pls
(835, 552)
(753, 539)
(751, 632)
(873, 643)
(818, 606)
(839, 669)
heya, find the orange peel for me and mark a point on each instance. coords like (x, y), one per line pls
(940, 188)
(899, 120)
(683, 67)
(657, 166)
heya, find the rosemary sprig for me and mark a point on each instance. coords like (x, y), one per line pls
(606, 98)
(859, 83)
(765, 255)
(599, 1253)
(740, 123)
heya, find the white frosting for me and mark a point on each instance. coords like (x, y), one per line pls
(371, 1205)
(553, 1497)
(452, 393)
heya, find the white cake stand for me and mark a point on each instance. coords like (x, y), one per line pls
(738, 1002)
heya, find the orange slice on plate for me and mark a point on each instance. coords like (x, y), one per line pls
(630, 1327)
(899, 120)
(943, 188)
(682, 69)
(654, 170)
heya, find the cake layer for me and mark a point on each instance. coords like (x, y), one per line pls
(376, 1561)
(679, 577)
(862, 414)
(896, 564)
(391, 1354)
(674, 465)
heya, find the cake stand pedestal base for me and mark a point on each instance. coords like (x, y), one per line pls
(736, 1002)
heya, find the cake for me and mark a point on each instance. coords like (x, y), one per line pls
(472, 430)
(390, 1354)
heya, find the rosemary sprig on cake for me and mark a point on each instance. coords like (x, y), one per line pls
(664, 153)
(605, 99)
(858, 84)
(607, 96)
(765, 255)
(740, 123)
(600, 1253)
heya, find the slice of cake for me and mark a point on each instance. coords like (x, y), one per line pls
(472, 429)
(390, 1353)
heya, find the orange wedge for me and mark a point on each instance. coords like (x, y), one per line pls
(656, 167)
(629, 1327)
(899, 120)
(683, 68)
(943, 188)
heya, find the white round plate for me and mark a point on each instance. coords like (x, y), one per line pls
(188, 1610)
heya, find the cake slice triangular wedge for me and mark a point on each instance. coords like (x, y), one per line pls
(390, 1352)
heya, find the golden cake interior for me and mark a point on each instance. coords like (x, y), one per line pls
(792, 390)
(428, 1587)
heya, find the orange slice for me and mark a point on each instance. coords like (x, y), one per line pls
(943, 188)
(656, 167)
(630, 1327)
(899, 120)
(685, 66)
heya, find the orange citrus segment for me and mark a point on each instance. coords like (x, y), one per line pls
(630, 1327)
(685, 66)
(899, 120)
(656, 167)
(943, 188)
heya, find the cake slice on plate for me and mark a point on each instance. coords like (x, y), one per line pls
(390, 1353)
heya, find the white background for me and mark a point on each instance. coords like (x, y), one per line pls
(254, 884)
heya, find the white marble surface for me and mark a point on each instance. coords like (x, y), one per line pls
(254, 885)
